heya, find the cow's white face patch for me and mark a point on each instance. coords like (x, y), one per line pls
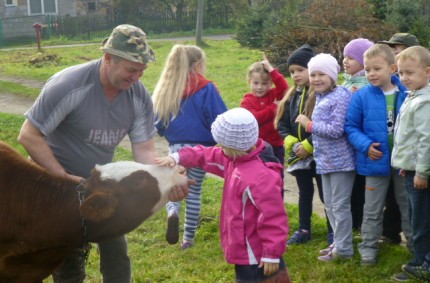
(167, 177)
(118, 170)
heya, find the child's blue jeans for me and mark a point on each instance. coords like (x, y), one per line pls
(419, 208)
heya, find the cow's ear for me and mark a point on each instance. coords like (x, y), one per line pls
(99, 207)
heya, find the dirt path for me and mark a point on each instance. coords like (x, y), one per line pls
(14, 104)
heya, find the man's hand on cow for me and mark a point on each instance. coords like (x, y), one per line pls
(165, 161)
(74, 178)
(178, 193)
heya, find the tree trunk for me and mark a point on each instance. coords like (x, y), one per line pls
(199, 24)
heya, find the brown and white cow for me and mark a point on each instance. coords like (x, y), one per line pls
(40, 214)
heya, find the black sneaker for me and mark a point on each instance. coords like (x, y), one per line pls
(418, 272)
(172, 231)
(299, 237)
(391, 240)
(401, 277)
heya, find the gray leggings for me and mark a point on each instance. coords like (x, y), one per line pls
(337, 188)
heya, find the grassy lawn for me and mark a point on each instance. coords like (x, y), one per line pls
(227, 65)
(153, 259)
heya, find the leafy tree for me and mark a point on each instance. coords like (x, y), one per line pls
(327, 25)
(408, 16)
(226, 7)
(256, 21)
(131, 11)
(421, 30)
(250, 28)
(402, 13)
(380, 8)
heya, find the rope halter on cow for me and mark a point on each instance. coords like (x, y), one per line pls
(86, 246)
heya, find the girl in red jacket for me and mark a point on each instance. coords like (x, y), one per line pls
(263, 101)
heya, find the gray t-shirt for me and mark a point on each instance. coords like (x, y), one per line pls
(81, 126)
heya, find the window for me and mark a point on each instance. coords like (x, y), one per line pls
(91, 6)
(42, 7)
(10, 2)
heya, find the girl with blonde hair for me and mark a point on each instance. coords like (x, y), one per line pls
(186, 104)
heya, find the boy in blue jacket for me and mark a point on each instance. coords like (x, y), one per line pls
(369, 125)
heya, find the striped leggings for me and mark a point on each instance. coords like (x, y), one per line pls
(192, 201)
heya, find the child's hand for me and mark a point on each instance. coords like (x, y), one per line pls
(302, 120)
(420, 183)
(266, 64)
(165, 161)
(354, 88)
(269, 267)
(373, 153)
(301, 151)
(402, 172)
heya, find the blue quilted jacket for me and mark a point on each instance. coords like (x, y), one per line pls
(366, 123)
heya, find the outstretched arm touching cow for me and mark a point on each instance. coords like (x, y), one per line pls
(145, 153)
(33, 141)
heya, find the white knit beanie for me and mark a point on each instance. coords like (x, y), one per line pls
(235, 129)
(324, 63)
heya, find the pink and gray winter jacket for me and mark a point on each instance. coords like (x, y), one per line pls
(253, 220)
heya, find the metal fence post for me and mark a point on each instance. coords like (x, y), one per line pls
(1, 33)
(48, 22)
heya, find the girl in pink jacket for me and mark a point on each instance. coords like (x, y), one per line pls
(254, 223)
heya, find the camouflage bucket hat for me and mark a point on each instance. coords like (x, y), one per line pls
(129, 42)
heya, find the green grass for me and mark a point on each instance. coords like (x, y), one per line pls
(18, 89)
(152, 257)
(227, 64)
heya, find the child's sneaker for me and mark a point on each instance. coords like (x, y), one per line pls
(186, 245)
(368, 261)
(401, 277)
(333, 256)
(172, 231)
(418, 272)
(301, 236)
(327, 250)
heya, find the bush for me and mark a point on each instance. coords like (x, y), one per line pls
(327, 26)
(407, 16)
(252, 28)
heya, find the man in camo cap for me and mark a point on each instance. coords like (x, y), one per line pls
(81, 116)
(401, 41)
